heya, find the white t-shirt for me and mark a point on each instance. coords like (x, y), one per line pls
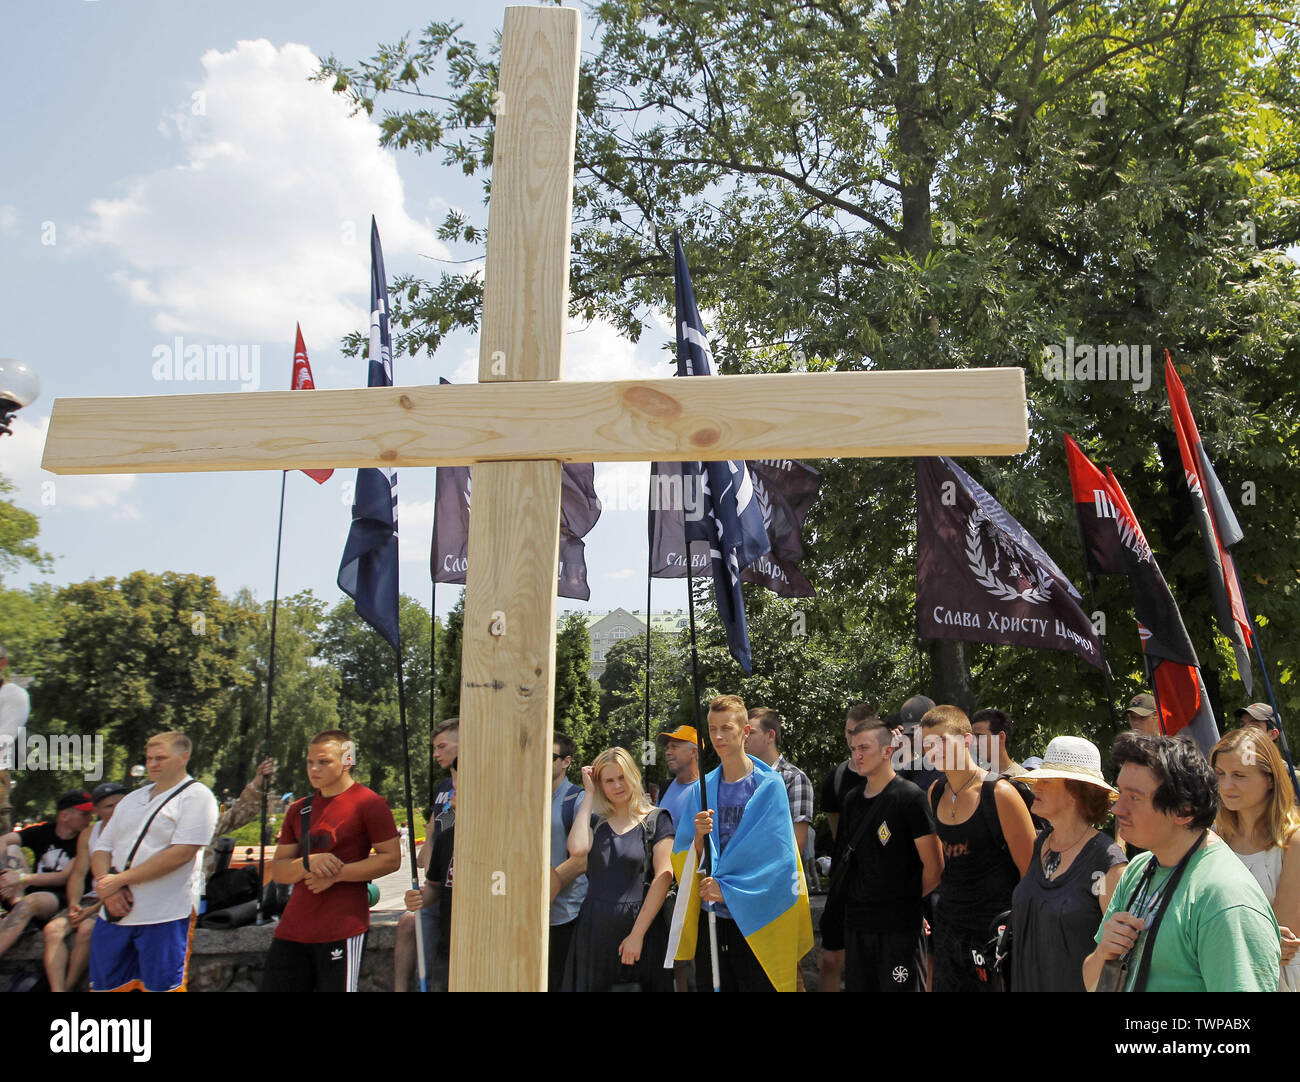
(14, 708)
(188, 819)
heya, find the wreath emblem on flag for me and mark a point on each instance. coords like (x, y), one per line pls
(764, 501)
(1020, 567)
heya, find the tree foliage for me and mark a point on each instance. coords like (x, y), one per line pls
(904, 185)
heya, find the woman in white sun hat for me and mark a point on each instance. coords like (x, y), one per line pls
(1060, 901)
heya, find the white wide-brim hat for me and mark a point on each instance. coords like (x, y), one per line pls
(1071, 758)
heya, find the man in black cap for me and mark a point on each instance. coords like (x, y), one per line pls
(39, 895)
(913, 767)
(63, 969)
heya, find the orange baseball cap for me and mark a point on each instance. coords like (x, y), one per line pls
(683, 732)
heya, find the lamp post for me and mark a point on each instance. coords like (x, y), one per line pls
(19, 386)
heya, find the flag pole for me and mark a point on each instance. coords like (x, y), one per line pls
(410, 814)
(649, 584)
(433, 682)
(705, 861)
(1101, 639)
(1283, 746)
(270, 696)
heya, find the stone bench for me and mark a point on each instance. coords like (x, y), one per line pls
(232, 961)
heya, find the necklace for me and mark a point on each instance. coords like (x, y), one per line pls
(1052, 858)
(957, 792)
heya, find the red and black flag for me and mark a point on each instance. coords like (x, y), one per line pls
(302, 381)
(1115, 545)
(980, 576)
(1219, 526)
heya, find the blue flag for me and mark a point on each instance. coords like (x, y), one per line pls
(368, 573)
(732, 522)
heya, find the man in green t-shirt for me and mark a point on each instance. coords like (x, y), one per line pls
(1217, 932)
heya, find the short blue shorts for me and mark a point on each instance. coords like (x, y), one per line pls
(149, 957)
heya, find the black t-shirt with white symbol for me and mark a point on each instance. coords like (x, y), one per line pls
(883, 889)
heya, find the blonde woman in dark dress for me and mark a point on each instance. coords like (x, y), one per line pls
(620, 935)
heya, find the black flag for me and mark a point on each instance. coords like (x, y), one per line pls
(784, 489)
(980, 577)
(579, 510)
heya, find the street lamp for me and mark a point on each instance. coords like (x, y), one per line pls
(19, 386)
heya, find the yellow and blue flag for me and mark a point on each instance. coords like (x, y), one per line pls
(760, 874)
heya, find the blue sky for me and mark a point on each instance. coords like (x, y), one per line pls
(171, 172)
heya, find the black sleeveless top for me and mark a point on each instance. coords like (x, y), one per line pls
(978, 872)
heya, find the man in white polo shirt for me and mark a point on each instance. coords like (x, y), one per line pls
(147, 864)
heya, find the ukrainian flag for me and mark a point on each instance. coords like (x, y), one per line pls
(760, 874)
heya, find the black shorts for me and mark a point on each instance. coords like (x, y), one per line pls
(738, 969)
(883, 962)
(963, 961)
(313, 967)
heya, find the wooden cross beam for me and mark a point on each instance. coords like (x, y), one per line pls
(517, 433)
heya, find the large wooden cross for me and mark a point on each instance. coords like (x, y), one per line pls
(516, 426)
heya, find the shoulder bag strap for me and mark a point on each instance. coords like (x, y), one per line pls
(148, 823)
(304, 832)
(1148, 948)
(842, 865)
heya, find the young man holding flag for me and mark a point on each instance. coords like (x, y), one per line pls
(757, 888)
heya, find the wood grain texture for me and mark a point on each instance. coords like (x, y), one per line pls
(822, 415)
(500, 927)
(503, 822)
(526, 288)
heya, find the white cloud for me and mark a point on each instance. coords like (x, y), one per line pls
(265, 220)
(414, 522)
(624, 573)
(594, 351)
(42, 491)
(8, 220)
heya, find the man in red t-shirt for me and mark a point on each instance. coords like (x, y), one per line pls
(318, 943)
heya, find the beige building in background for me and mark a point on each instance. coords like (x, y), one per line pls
(608, 628)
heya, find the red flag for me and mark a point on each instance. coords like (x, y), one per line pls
(1218, 523)
(1112, 534)
(302, 381)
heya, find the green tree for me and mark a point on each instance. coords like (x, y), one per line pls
(450, 645)
(306, 694)
(18, 530)
(366, 668)
(140, 655)
(623, 695)
(577, 704)
(904, 185)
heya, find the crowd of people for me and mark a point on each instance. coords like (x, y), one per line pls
(951, 867)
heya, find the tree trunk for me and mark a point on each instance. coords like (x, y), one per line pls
(950, 681)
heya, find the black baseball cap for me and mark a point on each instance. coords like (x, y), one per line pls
(106, 790)
(75, 798)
